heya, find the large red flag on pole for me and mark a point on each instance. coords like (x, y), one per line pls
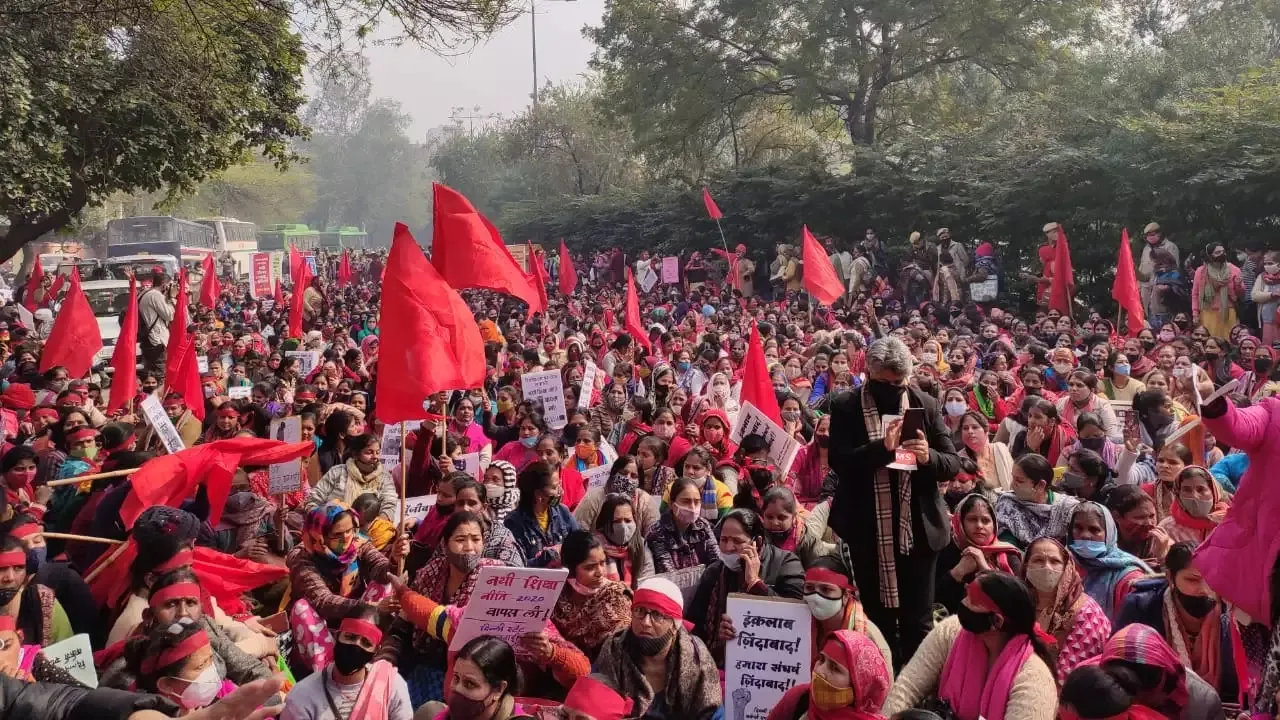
(631, 319)
(712, 209)
(184, 376)
(295, 262)
(177, 333)
(296, 302)
(210, 288)
(757, 386)
(820, 277)
(538, 275)
(568, 279)
(33, 284)
(1062, 284)
(436, 345)
(468, 252)
(124, 359)
(1125, 287)
(345, 273)
(75, 338)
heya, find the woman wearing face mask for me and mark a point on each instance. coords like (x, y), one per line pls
(985, 397)
(719, 398)
(683, 537)
(540, 521)
(608, 413)
(954, 407)
(1216, 289)
(975, 547)
(787, 527)
(501, 492)
(637, 423)
(502, 424)
(811, 467)
(850, 682)
(622, 538)
(1265, 294)
(1032, 509)
(371, 689)
(1046, 434)
(485, 683)
(1062, 362)
(39, 615)
(833, 602)
(687, 375)
(988, 661)
(428, 532)
(1118, 372)
(592, 606)
(624, 479)
(1091, 435)
(179, 665)
(361, 473)
(1170, 462)
(993, 460)
(667, 426)
(794, 421)
(463, 423)
(1199, 506)
(713, 429)
(1165, 684)
(1259, 381)
(1218, 364)
(1196, 624)
(654, 471)
(524, 450)
(716, 497)
(1135, 515)
(18, 466)
(1109, 572)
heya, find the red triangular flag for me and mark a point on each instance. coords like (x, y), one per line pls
(296, 302)
(712, 209)
(33, 284)
(820, 277)
(278, 296)
(1062, 284)
(467, 250)
(75, 338)
(1125, 287)
(568, 279)
(177, 334)
(183, 377)
(344, 269)
(225, 577)
(437, 344)
(210, 288)
(295, 262)
(631, 319)
(537, 275)
(757, 387)
(124, 378)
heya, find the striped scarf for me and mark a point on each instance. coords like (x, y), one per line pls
(884, 479)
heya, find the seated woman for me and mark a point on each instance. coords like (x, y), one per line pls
(370, 689)
(1109, 572)
(849, 676)
(665, 669)
(992, 459)
(655, 476)
(247, 527)
(986, 662)
(524, 450)
(361, 472)
(1091, 434)
(552, 452)
(789, 528)
(69, 588)
(717, 499)
(427, 534)
(833, 602)
(974, 548)
(540, 522)
(500, 490)
(486, 681)
(1033, 510)
(40, 617)
(1063, 609)
(177, 662)
(1198, 509)
(1046, 434)
(637, 423)
(1095, 693)
(667, 427)
(18, 466)
(1082, 397)
(624, 479)
(591, 607)
(1166, 685)
(811, 466)
(499, 544)
(747, 564)
(1135, 515)
(1199, 627)
(985, 398)
(331, 573)
(683, 538)
(1170, 462)
(629, 560)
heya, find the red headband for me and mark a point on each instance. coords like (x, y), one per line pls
(363, 628)
(46, 413)
(85, 433)
(183, 649)
(824, 575)
(26, 530)
(305, 395)
(13, 558)
(184, 558)
(593, 697)
(176, 590)
(656, 601)
(8, 622)
(980, 598)
(228, 411)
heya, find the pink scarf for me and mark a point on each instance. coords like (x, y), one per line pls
(375, 697)
(973, 692)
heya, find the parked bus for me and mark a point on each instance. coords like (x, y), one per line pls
(344, 237)
(280, 237)
(232, 235)
(160, 235)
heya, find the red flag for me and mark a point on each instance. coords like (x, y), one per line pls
(344, 269)
(436, 345)
(757, 386)
(210, 288)
(177, 335)
(295, 263)
(183, 377)
(59, 279)
(33, 283)
(295, 303)
(538, 275)
(735, 277)
(631, 319)
(820, 278)
(75, 338)
(467, 250)
(279, 295)
(712, 209)
(1063, 283)
(225, 577)
(1125, 287)
(568, 276)
(124, 359)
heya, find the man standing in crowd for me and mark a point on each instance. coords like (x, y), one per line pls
(959, 256)
(1155, 240)
(893, 521)
(155, 312)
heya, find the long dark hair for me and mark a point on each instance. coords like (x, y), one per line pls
(496, 660)
(531, 480)
(575, 548)
(1018, 607)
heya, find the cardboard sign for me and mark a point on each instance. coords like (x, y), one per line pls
(597, 476)
(671, 270)
(260, 285)
(76, 657)
(286, 429)
(415, 509)
(782, 446)
(240, 392)
(202, 364)
(156, 417)
(508, 603)
(590, 376)
(648, 278)
(545, 389)
(285, 477)
(311, 263)
(391, 444)
(307, 360)
(469, 464)
(768, 655)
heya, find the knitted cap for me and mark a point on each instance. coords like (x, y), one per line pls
(660, 595)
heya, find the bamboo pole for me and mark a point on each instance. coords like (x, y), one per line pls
(81, 538)
(103, 564)
(404, 474)
(91, 478)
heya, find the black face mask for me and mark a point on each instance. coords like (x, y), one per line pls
(974, 621)
(886, 394)
(777, 537)
(1094, 444)
(1262, 365)
(647, 646)
(1197, 606)
(444, 509)
(7, 595)
(823, 440)
(348, 658)
(1148, 345)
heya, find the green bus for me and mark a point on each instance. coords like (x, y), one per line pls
(347, 236)
(281, 236)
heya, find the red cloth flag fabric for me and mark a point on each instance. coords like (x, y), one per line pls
(820, 277)
(735, 279)
(436, 345)
(279, 294)
(568, 279)
(631, 320)
(124, 359)
(75, 338)
(225, 577)
(210, 288)
(183, 377)
(296, 262)
(33, 284)
(295, 302)
(1125, 287)
(712, 209)
(55, 287)
(467, 250)
(344, 269)
(177, 333)
(538, 275)
(757, 387)
(1062, 284)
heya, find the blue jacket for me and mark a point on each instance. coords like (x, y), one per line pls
(536, 545)
(1229, 470)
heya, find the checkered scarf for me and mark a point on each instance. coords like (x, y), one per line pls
(884, 507)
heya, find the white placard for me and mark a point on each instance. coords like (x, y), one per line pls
(769, 654)
(287, 429)
(648, 278)
(307, 360)
(596, 476)
(240, 392)
(75, 656)
(469, 464)
(159, 421)
(1230, 387)
(391, 442)
(202, 364)
(285, 477)
(415, 509)
(588, 391)
(782, 446)
(25, 317)
(546, 389)
(509, 602)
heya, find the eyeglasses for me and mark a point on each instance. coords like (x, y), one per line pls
(639, 614)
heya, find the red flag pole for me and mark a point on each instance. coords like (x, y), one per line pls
(404, 472)
(723, 242)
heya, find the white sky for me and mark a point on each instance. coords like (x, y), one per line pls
(496, 75)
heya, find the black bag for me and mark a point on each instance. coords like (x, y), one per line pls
(938, 707)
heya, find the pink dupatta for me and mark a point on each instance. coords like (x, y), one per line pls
(972, 691)
(375, 697)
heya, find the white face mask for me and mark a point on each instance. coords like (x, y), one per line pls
(620, 533)
(732, 561)
(1044, 579)
(202, 691)
(1181, 372)
(930, 358)
(1196, 507)
(955, 408)
(822, 608)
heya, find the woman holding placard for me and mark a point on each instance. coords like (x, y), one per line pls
(592, 606)
(850, 682)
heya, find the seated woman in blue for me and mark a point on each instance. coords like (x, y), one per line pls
(540, 522)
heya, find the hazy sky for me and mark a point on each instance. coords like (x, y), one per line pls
(497, 75)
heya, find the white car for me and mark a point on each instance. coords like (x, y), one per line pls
(108, 298)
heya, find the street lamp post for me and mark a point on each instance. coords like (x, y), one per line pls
(533, 35)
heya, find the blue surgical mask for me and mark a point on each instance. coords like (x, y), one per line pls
(683, 365)
(1121, 369)
(529, 442)
(1089, 548)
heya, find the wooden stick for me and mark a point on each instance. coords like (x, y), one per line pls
(404, 473)
(82, 538)
(91, 478)
(102, 565)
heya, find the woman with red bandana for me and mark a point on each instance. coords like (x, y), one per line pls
(18, 467)
(713, 429)
(226, 424)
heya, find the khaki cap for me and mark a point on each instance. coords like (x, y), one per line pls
(1150, 228)
(1050, 227)
(914, 237)
(942, 230)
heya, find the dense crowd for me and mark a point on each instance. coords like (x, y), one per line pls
(990, 515)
